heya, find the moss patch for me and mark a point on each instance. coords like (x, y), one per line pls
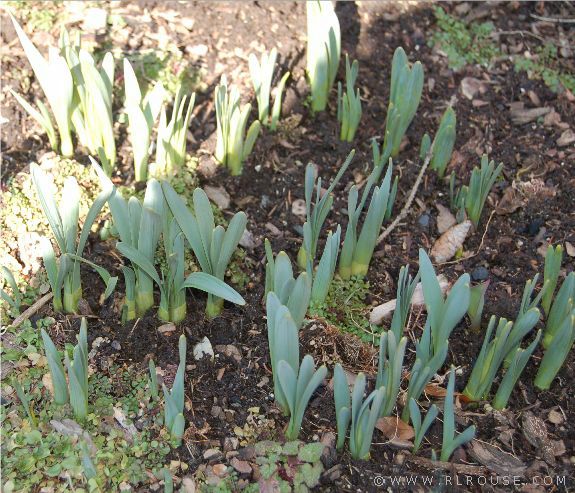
(345, 308)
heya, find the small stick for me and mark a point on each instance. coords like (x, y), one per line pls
(553, 19)
(468, 469)
(410, 198)
(31, 310)
(522, 33)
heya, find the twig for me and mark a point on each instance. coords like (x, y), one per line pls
(468, 469)
(410, 198)
(553, 19)
(522, 33)
(134, 327)
(32, 310)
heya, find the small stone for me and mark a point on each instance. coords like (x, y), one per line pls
(534, 226)
(399, 459)
(188, 23)
(220, 470)
(298, 207)
(95, 20)
(248, 240)
(273, 229)
(188, 485)
(96, 343)
(216, 411)
(200, 50)
(247, 453)
(567, 137)
(212, 454)
(230, 443)
(242, 466)
(463, 8)
(298, 229)
(125, 486)
(418, 37)
(230, 351)
(166, 328)
(332, 474)
(116, 345)
(423, 220)
(555, 417)
(207, 166)
(265, 201)
(479, 274)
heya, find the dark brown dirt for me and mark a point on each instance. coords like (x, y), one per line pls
(505, 244)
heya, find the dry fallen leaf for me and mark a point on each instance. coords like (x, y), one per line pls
(394, 428)
(552, 118)
(69, 427)
(445, 219)
(122, 420)
(218, 196)
(495, 459)
(520, 116)
(570, 249)
(535, 431)
(470, 86)
(350, 377)
(536, 189)
(434, 390)
(47, 382)
(449, 242)
(203, 348)
(510, 202)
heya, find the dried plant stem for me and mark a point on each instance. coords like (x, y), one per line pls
(410, 198)
(434, 465)
(32, 310)
(553, 19)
